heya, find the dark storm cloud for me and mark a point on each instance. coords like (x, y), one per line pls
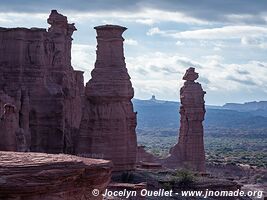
(68, 5)
(216, 10)
(210, 10)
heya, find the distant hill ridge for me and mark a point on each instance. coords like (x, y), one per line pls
(155, 113)
(248, 106)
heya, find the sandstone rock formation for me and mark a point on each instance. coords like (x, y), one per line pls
(8, 128)
(37, 78)
(189, 152)
(144, 156)
(42, 97)
(35, 176)
(108, 125)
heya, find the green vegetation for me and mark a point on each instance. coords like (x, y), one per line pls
(184, 178)
(231, 136)
(223, 145)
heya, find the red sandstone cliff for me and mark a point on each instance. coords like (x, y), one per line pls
(37, 78)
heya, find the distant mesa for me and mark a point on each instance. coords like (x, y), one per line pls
(249, 106)
(153, 98)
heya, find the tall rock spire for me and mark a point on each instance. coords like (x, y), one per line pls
(192, 113)
(108, 125)
(189, 152)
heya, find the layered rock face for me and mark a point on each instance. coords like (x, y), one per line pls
(47, 177)
(108, 125)
(189, 152)
(36, 77)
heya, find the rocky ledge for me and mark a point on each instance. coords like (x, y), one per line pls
(31, 176)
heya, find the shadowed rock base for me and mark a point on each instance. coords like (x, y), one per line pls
(40, 176)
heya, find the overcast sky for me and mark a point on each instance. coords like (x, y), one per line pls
(225, 40)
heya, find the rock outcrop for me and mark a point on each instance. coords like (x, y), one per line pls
(35, 176)
(8, 128)
(43, 103)
(144, 156)
(108, 125)
(36, 77)
(189, 152)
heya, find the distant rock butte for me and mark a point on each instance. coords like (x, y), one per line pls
(108, 125)
(189, 152)
(51, 177)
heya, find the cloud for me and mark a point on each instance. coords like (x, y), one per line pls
(253, 41)
(161, 74)
(179, 43)
(145, 21)
(154, 31)
(226, 32)
(218, 38)
(143, 16)
(83, 58)
(227, 11)
(242, 72)
(130, 42)
(246, 19)
(246, 82)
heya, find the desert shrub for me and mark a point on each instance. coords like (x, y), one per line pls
(167, 186)
(184, 178)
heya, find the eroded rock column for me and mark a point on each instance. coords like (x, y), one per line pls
(108, 125)
(189, 152)
(192, 113)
